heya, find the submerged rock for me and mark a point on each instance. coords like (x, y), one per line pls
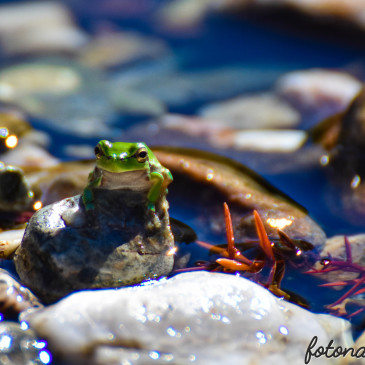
(23, 80)
(76, 100)
(203, 318)
(315, 87)
(117, 48)
(335, 247)
(134, 103)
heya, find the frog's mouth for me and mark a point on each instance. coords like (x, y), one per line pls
(135, 180)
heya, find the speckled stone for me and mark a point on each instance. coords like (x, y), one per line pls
(120, 242)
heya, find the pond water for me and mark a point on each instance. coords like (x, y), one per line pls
(270, 46)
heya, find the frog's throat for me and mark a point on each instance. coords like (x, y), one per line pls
(134, 180)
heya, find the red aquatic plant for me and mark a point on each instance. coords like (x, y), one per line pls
(268, 255)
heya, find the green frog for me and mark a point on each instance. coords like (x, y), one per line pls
(122, 165)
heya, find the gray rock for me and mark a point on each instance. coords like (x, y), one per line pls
(202, 318)
(120, 242)
(15, 192)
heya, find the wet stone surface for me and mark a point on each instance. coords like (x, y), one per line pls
(19, 345)
(120, 242)
(203, 318)
(14, 298)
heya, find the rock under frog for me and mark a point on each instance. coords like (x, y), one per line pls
(127, 165)
(116, 233)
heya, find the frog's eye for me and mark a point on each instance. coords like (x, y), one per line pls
(98, 152)
(141, 155)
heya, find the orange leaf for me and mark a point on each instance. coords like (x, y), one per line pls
(222, 251)
(229, 232)
(212, 248)
(233, 265)
(264, 239)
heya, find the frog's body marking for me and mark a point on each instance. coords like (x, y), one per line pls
(127, 165)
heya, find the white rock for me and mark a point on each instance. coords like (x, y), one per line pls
(111, 49)
(269, 140)
(10, 241)
(202, 318)
(253, 112)
(37, 27)
(59, 38)
(27, 154)
(28, 15)
(222, 135)
(315, 87)
(34, 78)
(184, 14)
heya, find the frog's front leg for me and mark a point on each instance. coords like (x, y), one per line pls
(87, 195)
(155, 191)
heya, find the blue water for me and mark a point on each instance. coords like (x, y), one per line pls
(225, 41)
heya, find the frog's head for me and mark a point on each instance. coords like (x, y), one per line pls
(121, 156)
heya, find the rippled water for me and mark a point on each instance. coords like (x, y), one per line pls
(244, 42)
